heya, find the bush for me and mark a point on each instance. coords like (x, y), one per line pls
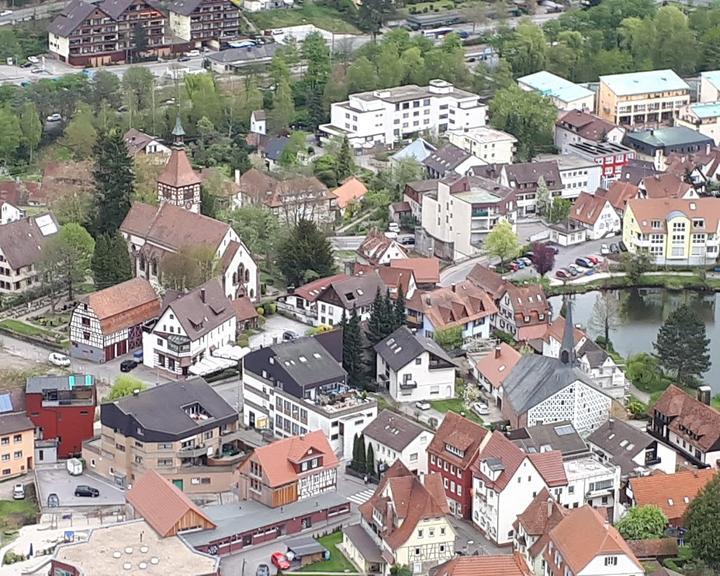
(260, 310)
(11, 557)
(270, 308)
(638, 409)
(243, 340)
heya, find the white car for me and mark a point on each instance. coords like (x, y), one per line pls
(194, 53)
(604, 249)
(58, 359)
(480, 408)
(54, 117)
(394, 227)
(6, 13)
(423, 405)
(33, 59)
(391, 235)
(19, 492)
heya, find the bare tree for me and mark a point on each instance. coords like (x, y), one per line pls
(476, 12)
(605, 315)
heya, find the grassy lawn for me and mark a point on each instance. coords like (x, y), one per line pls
(24, 328)
(321, 16)
(14, 514)
(337, 563)
(455, 405)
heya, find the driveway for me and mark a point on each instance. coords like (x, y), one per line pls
(273, 330)
(56, 479)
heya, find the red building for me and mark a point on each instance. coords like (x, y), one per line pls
(612, 157)
(62, 408)
(451, 455)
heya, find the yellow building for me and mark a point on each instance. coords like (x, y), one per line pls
(673, 230)
(17, 440)
(642, 98)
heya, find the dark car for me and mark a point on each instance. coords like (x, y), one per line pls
(622, 246)
(584, 262)
(83, 491)
(127, 365)
(184, 59)
(262, 570)
(554, 247)
(614, 248)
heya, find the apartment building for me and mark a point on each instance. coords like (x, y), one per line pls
(395, 437)
(650, 98)
(289, 470)
(704, 117)
(578, 174)
(295, 387)
(459, 214)
(21, 245)
(611, 157)
(205, 22)
(655, 143)
(100, 33)
(525, 178)
(17, 435)
(673, 230)
(579, 127)
(184, 431)
(387, 116)
(62, 408)
(489, 145)
(564, 94)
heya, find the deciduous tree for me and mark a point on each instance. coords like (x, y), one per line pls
(502, 242)
(543, 258)
(125, 385)
(31, 128)
(80, 134)
(66, 257)
(643, 523)
(189, 268)
(605, 314)
(701, 521)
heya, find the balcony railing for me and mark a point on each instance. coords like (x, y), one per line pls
(408, 385)
(193, 451)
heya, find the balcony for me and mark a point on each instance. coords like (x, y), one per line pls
(178, 344)
(408, 385)
(193, 451)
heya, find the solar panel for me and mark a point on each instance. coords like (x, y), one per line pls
(564, 430)
(5, 403)
(46, 224)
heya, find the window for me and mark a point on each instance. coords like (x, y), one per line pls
(442, 531)
(17, 438)
(418, 361)
(413, 457)
(5, 457)
(610, 560)
(5, 441)
(459, 490)
(420, 533)
(432, 458)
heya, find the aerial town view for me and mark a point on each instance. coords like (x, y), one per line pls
(360, 287)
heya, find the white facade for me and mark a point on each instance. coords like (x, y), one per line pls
(578, 175)
(490, 145)
(417, 380)
(592, 482)
(565, 137)
(293, 416)
(615, 565)
(704, 118)
(331, 314)
(414, 455)
(258, 122)
(608, 222)
(709, 458)
(387, 116)
(709, 86)
(584, 406)
(10, 213)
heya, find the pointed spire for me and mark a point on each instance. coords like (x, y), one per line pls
(178, 132)
(567, 350)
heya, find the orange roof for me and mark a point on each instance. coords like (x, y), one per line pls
(312, 290)
(124, 305)
(162, 504)
(460, 433)
(550, 466)
(665, 186)
(619, 193)
(393, 278)
(587, 208)
(583, 534)
(426, 270)
(556, 330)
(542, 514)
(244, 309)
(693, 421)
(670, 492)
(496, 365)
(646, 210)
(178, 172)
(277, 459)
(454, 305)
(351, 189)
(505, 565)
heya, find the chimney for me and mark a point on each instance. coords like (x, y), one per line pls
(497, 351)
(453, 288)
(549, 506)
(611, 422)
(704, 393)
(237, 176)
(202, 294)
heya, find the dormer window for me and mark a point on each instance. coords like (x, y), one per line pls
(455, 451)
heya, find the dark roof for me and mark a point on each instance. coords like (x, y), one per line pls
(37, 384)
(595, 355)
(635, 170)
(543, 437)
(22, 241)
(275, 146)
(585, 125)
(18, 422)
(692, 420)
(355, 291)
(446, 158)
(136, 141)
(660, 138)
(531, 172)
(185, 7)
(161, 408)
(654, 548)
(71, 17)
(402, 347)
(202, 310)
(393, 430)
(232, 55)
(537, 378)
(363, 543)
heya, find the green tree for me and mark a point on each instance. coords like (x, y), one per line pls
(401, 569)
(361, 456)
(605, 314)
(140, 38)
(399, 308)
(559, 210)
(283, 111)
(111, 261)
(449, 338)
(125, 386)
(370, 460)
(381, 319)
(305, 254)
(701, 521)
(544, 199)
(31, 128)
(675, 46)
(352, 350)
(682, 346)
(502, 242)
(526, 49)
(66, 257)
(644, 371)
(362, 75)
(356, 452)
(138, 86)
(372, 15)
(389, 66)
(345, 165)
(105, 88)
(635, 265)
(295, 145)
(643, 523)
(10, 134)
(260, 230)
(528, 116)
(189, 268)
(80, 134)
(113, 175)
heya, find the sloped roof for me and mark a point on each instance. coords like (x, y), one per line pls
(451, 306)
(670, 492)
(583, 534)
(244, 309)
(22, 241)
(312, 290)
(695, 422)
(258, 185)
(647, 210)
(447, 158)
(124, 305)
(350, 190)
(393, 430)
(488, 280)
(355, 291)
(417, 150)
(587, 208)
(585, 125)
(619, 193)
(178, 171)
(497, 364)
(665, 186)
(531, 172)
(162, 504)
(556, 331)
(393, 278)
(622, 441)
(277, 458)
(136, 141)
(460, 433)
(202, 310)
(425, 270)
(376, 245)
(505, 565)
(542, 514)
(402, 347)
(71, 16)
(654, 548)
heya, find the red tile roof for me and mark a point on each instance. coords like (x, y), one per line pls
(585, 125)
(452, 306)
(351, 189)
(488, 280)
(426, 270)
(244, 309)
(376, 245)
(178, 172)
(654, 548)
(505, 565)
(693, 421)
(670, 492)
(163, 505)
(556, 330)
(124, 305)
(460, 433)
(312, 290)
(550, 466)
(542, 514)
(587, 208)
(496, 365)
(393, 278)
(619, 193)
(665, 186)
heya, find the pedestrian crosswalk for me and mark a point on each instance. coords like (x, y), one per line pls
(361, 497)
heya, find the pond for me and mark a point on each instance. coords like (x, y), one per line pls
(643, 312)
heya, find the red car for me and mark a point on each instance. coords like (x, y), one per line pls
(594, 259)
(280, 561)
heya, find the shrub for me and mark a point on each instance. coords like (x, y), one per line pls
(270, 308)
(260, 310)
(243, 340)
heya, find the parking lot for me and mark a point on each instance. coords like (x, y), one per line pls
(55, 479)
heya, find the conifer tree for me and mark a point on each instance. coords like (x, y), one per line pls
(345, 165)
(361, 454)
(375, 322)
(352, 350)
(370, 460)
(400, 312)
(114, 183)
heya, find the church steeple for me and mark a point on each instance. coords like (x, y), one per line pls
(178, 133)
(567, 349)
(179, 184)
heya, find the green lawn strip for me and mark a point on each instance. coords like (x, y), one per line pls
(455, 405)
(24, 328)
(321, 16)
(16, 513)
(337, 563)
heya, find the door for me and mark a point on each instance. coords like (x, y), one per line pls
(178, 482)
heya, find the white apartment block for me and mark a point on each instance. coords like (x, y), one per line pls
(702, 117)
(577, 174)
(709, 86)
(490, 145)
(591, 481)
(388, 116)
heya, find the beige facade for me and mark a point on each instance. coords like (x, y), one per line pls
(16, 452)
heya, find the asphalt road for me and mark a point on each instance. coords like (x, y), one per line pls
(40, 11)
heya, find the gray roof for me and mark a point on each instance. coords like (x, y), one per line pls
(161, 408)
(363, 543)
(555, 436)
(305, 545)
(36, 384)
(232, 519)
(402, 347)
(242, 55)
(446, 158)
(200, 314)
(671, 136)
(71, 17)
(11, 423)
(595, 355)
(184, 7)
(355, 291)
(21, 241)
(537, 378)
(306, 361)
(530, 173)
(393, 430)
(635, 170)
(614, 432)
(275, 146)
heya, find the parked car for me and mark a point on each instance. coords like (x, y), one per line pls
(262, 570)
(574, 270)
(480, 408)
(391, 235)
(6, 13)
(83, 491)
(622, 246)
(138, 356)
(54, 117)
(604, 250)
(614, 248)
(554, 247)
(594, 259)
(289, 335)
(408, 240)
(520, 264)
(526, 261)
(584, 262)
(514, 266)
(420, 405)
(280, 561)
(194, 53)
(57, 359)
(53, 501)
(128, 365)
(394, 227)
(18, 492)
(184, 59)
(562, 274)
(530, 256)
